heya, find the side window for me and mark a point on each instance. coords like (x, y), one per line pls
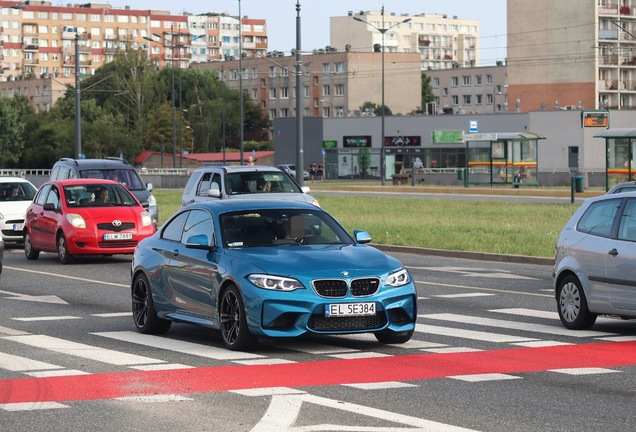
(69, 173)
(216, 178)
(192, 183)
(627, 226)
(174, 229)
(40, 199)
(53, 197)
(204, 185)
(599, 217)
(198, 225)
(55, 172)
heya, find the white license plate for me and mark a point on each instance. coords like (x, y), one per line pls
(118, 236)
(349, 309)
(18, 227)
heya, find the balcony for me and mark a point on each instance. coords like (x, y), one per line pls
(609, 59)
(607, 9)
(30, 47)
(30, 62)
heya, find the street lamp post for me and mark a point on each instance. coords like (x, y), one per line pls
(241, 80)
(78, 113)
(382, 31)
(174, 128)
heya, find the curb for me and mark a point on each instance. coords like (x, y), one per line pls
(483, 256)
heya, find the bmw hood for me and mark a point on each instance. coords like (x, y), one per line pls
(323, 260)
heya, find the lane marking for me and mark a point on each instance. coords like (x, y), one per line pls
(82, 350)
(527, 313)
(113, 315)
(475, 272)
(463, 295)
(514, 325)
(177, 346)
(381, 385)
(65, 372)
(485, 377)
(470, 334)
(32, 406)
(48, 274)
(21, 364)
(583, 371)
(495, 290)
(154, 398)
(451, 350)
(47, 318)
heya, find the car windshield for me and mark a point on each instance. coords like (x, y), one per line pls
(251, 182)
(127, 177)
(98, 195)
(281, 227)
(18, 191)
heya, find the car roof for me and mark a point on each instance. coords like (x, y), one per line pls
(114, 163)
(13, 180)
(82, 181)
(223, 206)
(240, 168)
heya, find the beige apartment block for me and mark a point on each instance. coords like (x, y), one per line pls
(38, 39)
(442, 41)
(334, 84)
(572, 53)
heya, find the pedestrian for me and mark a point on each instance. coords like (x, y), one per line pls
(250, 160)
(320, 172)
(312, 171)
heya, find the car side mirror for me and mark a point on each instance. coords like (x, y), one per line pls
(50, 207)
(149, 187)
(199, 241)
(361, 236)
(144, 204)
(214, 191)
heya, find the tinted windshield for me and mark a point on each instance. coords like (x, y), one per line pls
(127, 177)
(18, 191)
(95, 195)
(259, 182)
(280, 227)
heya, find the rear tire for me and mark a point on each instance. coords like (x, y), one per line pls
(572, 305)
(143, 308)
(29, 252)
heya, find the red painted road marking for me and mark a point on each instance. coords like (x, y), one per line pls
(321, 373)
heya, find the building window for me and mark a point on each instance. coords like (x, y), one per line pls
(284, 93)
(467, 81)
(478, 79)
(284, 112)
(326, 68)
(455, 99)
(454, 81)
(488, 79)
(340, 89)
(435, 82)
(272, 113)
(307, 91)
(272, 93)
(479, 99)
(467, 100)
(326, 90)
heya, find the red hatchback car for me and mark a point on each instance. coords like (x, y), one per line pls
(84, 217)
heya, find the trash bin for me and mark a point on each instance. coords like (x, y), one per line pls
(460, 174)
(578, 183)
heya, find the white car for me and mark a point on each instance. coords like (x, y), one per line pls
(291, 170)
(16, 195)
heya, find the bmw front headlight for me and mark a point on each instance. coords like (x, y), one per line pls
(276, 283)
(398, 278)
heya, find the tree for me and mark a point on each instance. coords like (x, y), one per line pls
(375, 109)
(13, 115)
(427, 91)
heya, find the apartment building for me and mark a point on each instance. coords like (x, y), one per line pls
(335, 84)
(572, 53)
(472, 90)
(37, 38)
(442, 42)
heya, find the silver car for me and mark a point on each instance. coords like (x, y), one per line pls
(243, 182)
(595, 266)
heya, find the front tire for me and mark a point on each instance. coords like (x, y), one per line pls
(143, 308)
(572, 305)
(29, 252)
(390, 337)
(236, 335)
(63, 254)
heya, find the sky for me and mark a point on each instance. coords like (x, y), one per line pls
(314, 14)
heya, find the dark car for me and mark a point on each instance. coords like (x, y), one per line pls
(116, 169)
(84, 217)
(268, 268)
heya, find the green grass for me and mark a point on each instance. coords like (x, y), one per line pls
(487, 226)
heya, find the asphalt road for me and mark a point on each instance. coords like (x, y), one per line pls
(489, 354)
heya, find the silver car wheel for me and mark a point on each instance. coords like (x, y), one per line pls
(570, 302)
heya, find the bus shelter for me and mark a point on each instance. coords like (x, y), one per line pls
(620, 148)
(509, 158)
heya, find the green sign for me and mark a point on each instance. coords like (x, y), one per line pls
(446, 137)
(329, 144)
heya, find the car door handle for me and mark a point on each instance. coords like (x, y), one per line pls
(175, 252)
(613, 252)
